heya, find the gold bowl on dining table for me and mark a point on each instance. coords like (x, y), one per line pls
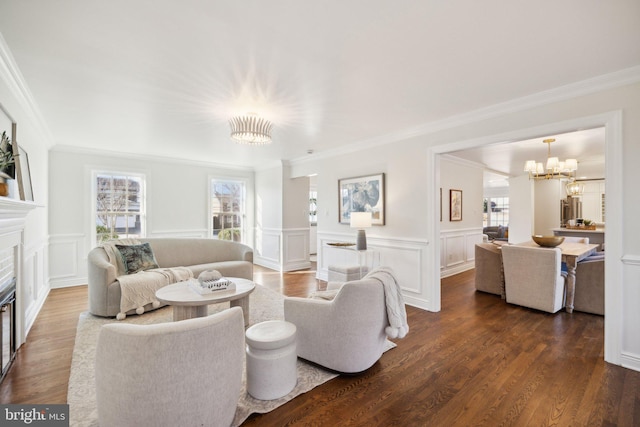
(548, 241)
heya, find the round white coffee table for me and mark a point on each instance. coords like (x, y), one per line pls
(188, 304)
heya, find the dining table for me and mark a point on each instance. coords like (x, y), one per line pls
(572, 253)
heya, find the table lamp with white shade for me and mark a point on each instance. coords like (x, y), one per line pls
(361, 220)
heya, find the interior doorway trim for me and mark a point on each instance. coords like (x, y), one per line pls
(612, 122)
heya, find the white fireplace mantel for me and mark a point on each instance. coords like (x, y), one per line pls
(15, 209)
(13, 215)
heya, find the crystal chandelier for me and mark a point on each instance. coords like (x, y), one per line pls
(554, 168)
(250, 129)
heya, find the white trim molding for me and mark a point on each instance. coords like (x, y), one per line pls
(457, 250)
(295, 249)
(630, 357)
(266, 251)
(282, 249)
(67, 260)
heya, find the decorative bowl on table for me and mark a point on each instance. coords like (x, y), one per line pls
(548, 241)
(341, 244)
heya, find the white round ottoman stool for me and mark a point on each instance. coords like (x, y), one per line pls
(271, 359)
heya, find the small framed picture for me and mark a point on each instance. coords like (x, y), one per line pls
(455, 208)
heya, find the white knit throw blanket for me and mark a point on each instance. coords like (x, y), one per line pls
(396, 312)
(139, 289)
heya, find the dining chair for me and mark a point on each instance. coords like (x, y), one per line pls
(533, 277)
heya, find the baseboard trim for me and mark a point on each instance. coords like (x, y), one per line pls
(630, 361)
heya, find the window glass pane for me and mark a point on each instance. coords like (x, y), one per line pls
(227, 209)
(119, 206)
(496, 211)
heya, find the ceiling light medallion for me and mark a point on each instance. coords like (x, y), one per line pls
(554, 169)
(250, 129)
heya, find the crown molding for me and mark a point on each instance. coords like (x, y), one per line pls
(146, 157)
(463, 162)
(12, 77)
(573, 90)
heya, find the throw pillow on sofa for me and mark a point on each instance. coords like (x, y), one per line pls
(137, 257)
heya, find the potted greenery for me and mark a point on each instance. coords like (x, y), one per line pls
(7, 164)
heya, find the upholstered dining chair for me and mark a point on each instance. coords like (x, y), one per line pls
(171, 374)
(489, 271)
(345, 334)
(589, 294)
(533, 277)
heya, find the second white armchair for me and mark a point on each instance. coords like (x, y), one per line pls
(346, 334)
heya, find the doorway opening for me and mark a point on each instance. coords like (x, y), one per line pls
(612, 123)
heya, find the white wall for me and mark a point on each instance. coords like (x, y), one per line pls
(401, 242)
(547, 196)
(282, 220)
(295, 220)
(177, 197)
(268, 227)
(35, 139)
(521, 208)
(458, 238)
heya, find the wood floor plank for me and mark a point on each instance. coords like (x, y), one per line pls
(479, 361)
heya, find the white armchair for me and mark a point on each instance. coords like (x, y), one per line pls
(533, 277)
(171, 374)
(346, 334)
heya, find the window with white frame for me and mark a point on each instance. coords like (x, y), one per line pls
(495, 211)
(119, 205)
(228, 209)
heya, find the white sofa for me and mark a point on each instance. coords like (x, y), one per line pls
(230, 258)
(185, 373)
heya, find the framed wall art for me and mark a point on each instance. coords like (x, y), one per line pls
(455, 201)
(362, 194)
(23, 173)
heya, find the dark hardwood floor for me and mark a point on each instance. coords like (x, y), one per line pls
(477, 362)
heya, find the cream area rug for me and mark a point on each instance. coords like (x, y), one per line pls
(265, 304)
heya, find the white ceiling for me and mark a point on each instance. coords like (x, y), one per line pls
(508, 158)
(163, 77)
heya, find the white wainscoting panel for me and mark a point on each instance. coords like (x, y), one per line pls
(35, 283)
(630, 357)
(295, 249)
(67, 260)
(457, 250)
(406, 256)
(267, 248)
